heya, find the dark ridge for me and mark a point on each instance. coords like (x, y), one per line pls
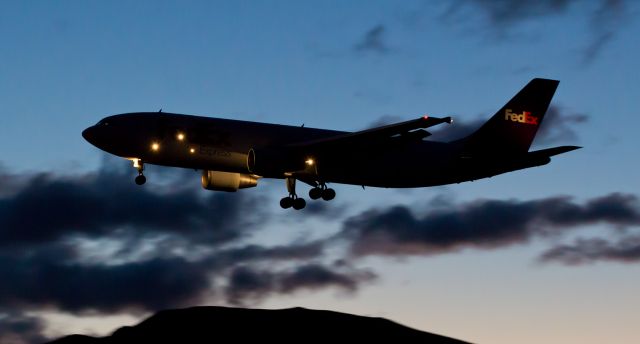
(294, 325)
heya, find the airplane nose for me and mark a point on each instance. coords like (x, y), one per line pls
(89, 134)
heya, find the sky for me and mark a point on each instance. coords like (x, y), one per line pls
(549, 254)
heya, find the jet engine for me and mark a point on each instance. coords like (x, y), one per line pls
(227, 181)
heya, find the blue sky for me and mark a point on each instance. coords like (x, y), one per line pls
(344, 65)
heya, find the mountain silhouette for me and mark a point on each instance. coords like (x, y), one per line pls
(293, 325)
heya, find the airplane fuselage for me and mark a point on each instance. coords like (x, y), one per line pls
(217, 144)
(234, 154)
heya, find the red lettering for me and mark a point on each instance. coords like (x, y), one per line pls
(524, 117)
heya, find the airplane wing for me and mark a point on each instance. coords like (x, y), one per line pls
(408, 129)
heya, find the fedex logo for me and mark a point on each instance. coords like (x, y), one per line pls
(524, 117)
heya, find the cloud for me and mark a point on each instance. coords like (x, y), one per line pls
(47, 207)
(43, 281)
(604, 20)
(481, 224)
(314, 276)
(59, 277)
(96, 242)
(373, 41)
(301, 251)
(17, 328)
(246, 283)
(506, 12)
(585, 251)
(559, 126)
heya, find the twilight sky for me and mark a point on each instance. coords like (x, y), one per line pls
(550, 254)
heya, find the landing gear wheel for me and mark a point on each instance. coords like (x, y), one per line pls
(139, 165)
(315, 193)
(328, 194)
(286, 202)
(299, 203)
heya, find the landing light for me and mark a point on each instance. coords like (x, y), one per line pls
(192, 150)
(309, 162)
(155, 146)
(136, 162)
(180, 136)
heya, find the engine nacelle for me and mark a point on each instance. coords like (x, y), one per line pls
(227, 181)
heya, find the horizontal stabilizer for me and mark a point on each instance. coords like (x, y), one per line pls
(553, 151)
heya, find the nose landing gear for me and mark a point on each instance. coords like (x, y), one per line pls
(141, 179)
(139, 165)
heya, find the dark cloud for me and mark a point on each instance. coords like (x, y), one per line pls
(604, 20)
(50, 206)
(246, 283)
(505, 12)
(584, 251)
(293, 252)
(483, 224)
(559, 125)
(96, 242)
(373, 41)
(58, 277)
(37, 281)
(314, 276)
(17, 328)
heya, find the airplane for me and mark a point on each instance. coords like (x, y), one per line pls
(234, 154)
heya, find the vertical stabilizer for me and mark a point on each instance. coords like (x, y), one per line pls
(512, 129)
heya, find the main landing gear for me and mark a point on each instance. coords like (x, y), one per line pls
(321, 191)
(318, 191)
(139, 165)
(292, 200)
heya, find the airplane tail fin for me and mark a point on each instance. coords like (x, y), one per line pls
(512, 129)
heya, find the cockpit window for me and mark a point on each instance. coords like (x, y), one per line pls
(103, 123)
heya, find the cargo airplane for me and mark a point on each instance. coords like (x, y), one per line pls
(235, 154)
